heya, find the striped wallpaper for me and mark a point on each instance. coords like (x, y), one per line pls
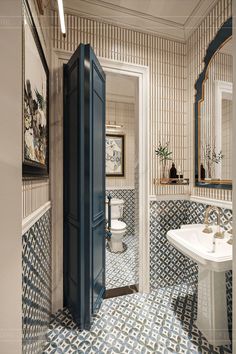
(166, 60)
(173, 69)
(35, 193)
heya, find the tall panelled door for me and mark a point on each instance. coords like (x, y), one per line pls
(84, 185)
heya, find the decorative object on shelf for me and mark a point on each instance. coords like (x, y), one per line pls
(115, 156)
(164, 155)
(180, 175)
(173, 171)
(212, 157)
(35, 120)
(202, 172)
(171, 181)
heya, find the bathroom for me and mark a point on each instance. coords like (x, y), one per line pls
(121, 254)
(163, 76)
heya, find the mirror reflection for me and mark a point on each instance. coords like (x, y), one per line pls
(215, 119)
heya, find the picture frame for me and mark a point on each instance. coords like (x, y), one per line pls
(35, 147)
(115, 155)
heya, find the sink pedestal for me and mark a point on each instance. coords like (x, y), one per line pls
(212, 306)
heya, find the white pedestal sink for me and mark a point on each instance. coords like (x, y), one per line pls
(212, 305)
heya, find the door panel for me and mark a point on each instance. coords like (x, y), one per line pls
(84, 185)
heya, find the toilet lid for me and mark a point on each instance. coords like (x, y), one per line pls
(118, 225)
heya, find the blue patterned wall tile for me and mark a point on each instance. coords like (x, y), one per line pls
(36, 284)
(167, 265)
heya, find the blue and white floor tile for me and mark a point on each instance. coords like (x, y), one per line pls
(121, 268)
(160, 322)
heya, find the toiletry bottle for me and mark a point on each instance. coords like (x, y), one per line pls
(173, 171)
(202, 172)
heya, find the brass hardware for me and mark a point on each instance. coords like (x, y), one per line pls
(208, 229)
(230, 241)
(219, 234)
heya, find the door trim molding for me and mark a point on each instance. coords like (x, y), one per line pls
(142, 75)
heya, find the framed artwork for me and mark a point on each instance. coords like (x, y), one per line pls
(115, 147)
(35, 102)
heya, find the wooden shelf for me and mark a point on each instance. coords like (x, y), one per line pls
(171, 181)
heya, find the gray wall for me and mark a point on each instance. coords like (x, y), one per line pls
(10, 176)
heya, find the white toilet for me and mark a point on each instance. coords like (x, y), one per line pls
(118, 228)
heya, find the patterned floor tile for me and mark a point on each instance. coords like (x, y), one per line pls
(121, 268)
(159, 322)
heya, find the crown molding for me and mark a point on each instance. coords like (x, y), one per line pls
(197, 16)
(123, 17)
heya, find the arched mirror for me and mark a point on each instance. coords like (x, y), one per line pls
(213, 114)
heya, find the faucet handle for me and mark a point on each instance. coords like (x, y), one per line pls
(219, 234)
(207, 229)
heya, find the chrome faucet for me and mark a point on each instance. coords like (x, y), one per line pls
(208, 229)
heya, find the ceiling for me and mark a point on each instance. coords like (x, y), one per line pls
(177, 11)
(174, 19)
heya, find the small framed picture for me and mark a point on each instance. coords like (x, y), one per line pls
(115, 156)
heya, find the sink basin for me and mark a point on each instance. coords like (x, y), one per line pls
(197, 245)
(212, 262)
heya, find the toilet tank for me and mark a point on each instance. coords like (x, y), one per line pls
(117, 206)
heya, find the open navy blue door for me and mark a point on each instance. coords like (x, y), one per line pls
(84, 185)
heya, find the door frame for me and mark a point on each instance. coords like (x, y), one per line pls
(142, 75)
(59, 57)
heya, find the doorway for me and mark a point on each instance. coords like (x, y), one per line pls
(139, 76)
(122, 179)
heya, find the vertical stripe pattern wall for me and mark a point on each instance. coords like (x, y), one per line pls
(173, 70)
(166, 60)
(35, 193)
(197, 44)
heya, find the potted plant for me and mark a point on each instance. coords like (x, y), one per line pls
(164, 155)
(211, 157)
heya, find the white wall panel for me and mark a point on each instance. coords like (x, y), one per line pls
(123, 113)
(35, 193)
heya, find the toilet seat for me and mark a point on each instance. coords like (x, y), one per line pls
(117, 225)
